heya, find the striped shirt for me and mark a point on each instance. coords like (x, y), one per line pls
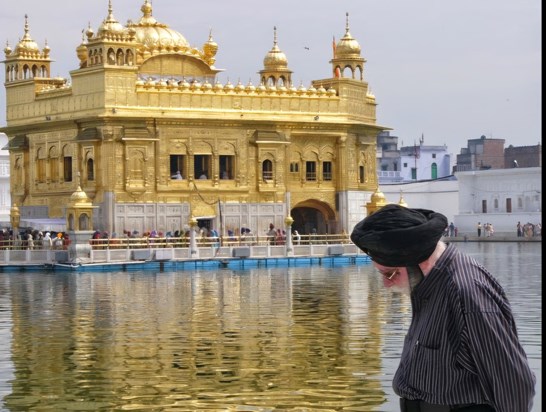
(462, 345)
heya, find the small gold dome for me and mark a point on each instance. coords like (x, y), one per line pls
(250, 87)
(378, 197)
(275, 58)
(26, 44)
(110, 24)
(7, 49)
(347, 46)
(79, 197)
(210, 47)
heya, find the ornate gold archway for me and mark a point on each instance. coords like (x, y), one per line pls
(313, 214)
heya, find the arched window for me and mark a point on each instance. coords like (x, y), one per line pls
(90, 170)
(70, 221)
(40, 166)
(84, 222)
(267, 170)
(434, 171)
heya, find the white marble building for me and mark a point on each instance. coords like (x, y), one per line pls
(5, 198)
(502, 197)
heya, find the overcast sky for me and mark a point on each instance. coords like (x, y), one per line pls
(448, 70)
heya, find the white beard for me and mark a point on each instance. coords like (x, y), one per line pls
(404, 289)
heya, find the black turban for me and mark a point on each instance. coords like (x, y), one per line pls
(399, 236)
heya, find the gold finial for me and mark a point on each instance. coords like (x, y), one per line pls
(274, 35)
(402, 202)
(347, 22)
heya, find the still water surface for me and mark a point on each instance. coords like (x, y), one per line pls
(282, 339)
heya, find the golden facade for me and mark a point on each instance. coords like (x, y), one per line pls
(153, 138)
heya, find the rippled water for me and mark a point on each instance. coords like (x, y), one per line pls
(283, 339)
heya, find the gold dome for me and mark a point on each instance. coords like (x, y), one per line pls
(210, 47)
(110, 25)
(79, 198)
(378, 197)
(156, 36)
(347, 46)
(7, 49)
(26, 44)
(402, 201)
(81, 51)
(275, 58)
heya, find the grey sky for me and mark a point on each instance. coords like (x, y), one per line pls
(451, 70)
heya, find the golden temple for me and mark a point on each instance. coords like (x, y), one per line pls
(146, 130)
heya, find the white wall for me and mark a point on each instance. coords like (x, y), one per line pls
(494, 190)
(5, 196)
(439, 195)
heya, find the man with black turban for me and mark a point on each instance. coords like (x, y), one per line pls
(461, 351)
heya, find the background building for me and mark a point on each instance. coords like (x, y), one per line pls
(502, 197)
(410, 163)
(481, 154)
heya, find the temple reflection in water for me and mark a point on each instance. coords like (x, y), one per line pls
(284, 338)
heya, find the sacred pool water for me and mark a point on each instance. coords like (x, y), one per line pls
(283, 339)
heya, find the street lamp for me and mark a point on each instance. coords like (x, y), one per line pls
(288, 224)
(193, 242)
(15, 219)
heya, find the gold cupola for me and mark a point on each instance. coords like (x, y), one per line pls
(347, 46)
(79, 211)
(347, 54)
(276, 72)
(377, 201)
(154, 36)
(26, 46)
(210, 48)
(110, 27)
(81, 51)
(25, 55)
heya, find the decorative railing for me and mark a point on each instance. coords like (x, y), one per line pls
(168, 248)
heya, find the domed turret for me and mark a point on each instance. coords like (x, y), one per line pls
(7, 49)
(210, 47)
(347, 55)
(26, 45)
(275, 58)
(156, 36)
(276, 72)
(110, 26)
(377, 201)
(25, 55)
(347, 46)
(81, 52)
(79, 197)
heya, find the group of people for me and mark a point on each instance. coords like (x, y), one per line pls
(528, 229)
(488, 229)
(276, 236)
(32, 239)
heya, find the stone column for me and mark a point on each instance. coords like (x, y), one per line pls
(79, 249)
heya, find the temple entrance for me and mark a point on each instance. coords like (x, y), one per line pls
(313, 214)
